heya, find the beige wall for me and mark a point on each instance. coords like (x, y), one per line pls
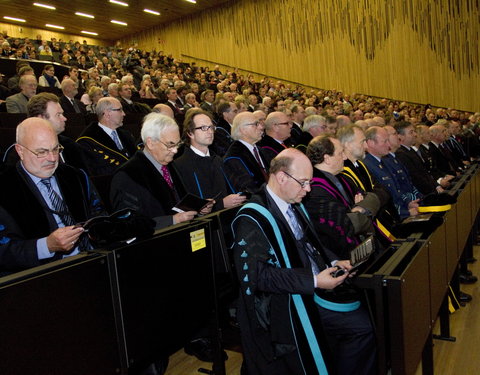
(21, 31)
(423, 51)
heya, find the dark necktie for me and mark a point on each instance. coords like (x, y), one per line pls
(75, 106)
(259, 161)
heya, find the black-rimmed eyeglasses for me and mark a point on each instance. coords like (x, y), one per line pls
(206, 128)
(303, 184)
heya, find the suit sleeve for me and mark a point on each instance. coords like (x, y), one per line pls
(16, 252)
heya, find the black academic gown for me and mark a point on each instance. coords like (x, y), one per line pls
(25, 217)
(101, 152)
(242, 169)
(203, 176)
(139, 185)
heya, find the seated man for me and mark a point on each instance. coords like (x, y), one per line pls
(199, 168)
(68, 101)
(313, 126)
(45, 105)
(128, 105)
(378, 146)
(18, 103)
(41, 200)
(284, 271)
(226, 114)
(246, 165)
(277, 132)
(335, 215)
(147, 183)
(106, 144)
(421, 178)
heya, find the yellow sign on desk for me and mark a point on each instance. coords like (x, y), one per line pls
(197, 239)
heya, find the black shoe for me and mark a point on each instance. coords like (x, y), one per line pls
(202, 349)
(466, 279)
(464, 298)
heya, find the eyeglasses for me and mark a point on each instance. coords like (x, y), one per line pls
(303, 184)
(170, 147)
(206, 128)
(284, 123)
(115, 109)
(256, 123)
(43, 153)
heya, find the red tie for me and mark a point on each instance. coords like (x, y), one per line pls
(257, 157)
(167, 176)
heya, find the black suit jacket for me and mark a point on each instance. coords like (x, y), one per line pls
(242, 169)
(270, 146)
(421, 179)
(441, 161)
(102, 153)
(67, 105)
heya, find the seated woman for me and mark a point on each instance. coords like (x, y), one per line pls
(95, 94)
(48, 79)
(89, 83)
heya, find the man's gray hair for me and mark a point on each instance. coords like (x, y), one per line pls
(154, 124)
(313, 121)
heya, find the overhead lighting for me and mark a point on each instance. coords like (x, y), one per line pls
(84, 15)
(44, 6)
(14, 19)
(55, 26)
(191, 1)
(119, 3)
(119, 22)
(88, 32)
(152, 12)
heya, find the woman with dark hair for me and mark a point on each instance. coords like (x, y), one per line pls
(48, 79)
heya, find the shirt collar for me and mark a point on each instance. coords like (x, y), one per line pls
(198, 152)
(281, 204)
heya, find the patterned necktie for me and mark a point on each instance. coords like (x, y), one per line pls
(60, 208)
(259, 161)
(57, 204)
(167, 176)
(298, 233)
(295, 225)
(116, 140)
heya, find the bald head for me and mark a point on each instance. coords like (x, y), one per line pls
(290, 175)
(164, 110)
(36, 136)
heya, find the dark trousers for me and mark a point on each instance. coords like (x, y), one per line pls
(351, 339)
